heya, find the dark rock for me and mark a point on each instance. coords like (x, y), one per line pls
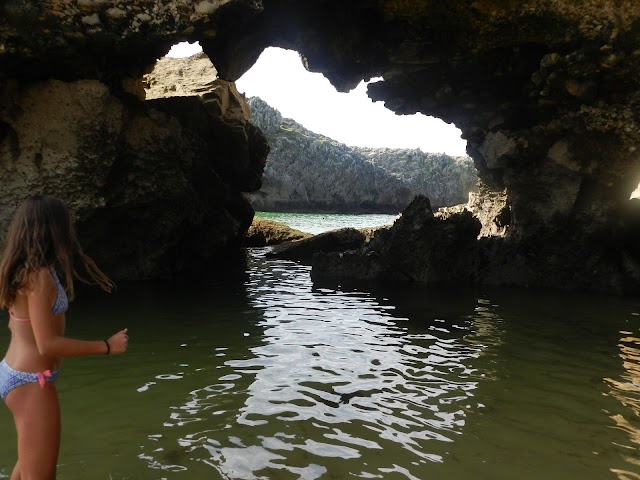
(545, 93)
(152, 196)
(265, 232)
(334, 241)
(420, 246)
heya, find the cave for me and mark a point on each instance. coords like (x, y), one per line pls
(545, 93)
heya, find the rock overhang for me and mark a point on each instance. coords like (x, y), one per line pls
(545, 92)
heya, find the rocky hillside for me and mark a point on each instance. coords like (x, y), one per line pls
(444, 179)
(310, 172)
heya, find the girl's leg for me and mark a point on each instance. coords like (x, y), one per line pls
(36, 413)
(15, 475)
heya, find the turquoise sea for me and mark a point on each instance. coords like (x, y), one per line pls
(270, 376)
(315, 223)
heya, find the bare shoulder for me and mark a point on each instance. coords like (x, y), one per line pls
(40, 282)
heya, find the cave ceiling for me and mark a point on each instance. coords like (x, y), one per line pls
(484, 65)
(545, 92)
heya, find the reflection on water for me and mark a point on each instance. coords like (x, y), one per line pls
(277, 378)
(627, 391)
(340, 385)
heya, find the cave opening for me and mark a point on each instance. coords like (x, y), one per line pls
(280, 79)
(338, 145)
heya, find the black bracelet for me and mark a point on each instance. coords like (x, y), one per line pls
(108, 347)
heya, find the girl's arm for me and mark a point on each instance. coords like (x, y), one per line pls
(49, 342)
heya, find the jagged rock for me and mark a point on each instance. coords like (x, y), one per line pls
(444, 179)
(543, 91)
(334, 241)
(149, 193)
(265, 232)
(492, 209)
(420, 246)
(180, 77)
(309, 172)
(216, 111)
(238, 149)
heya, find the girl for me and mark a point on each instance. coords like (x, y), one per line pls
(40, 245)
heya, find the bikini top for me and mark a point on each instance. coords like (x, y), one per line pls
(61, 303)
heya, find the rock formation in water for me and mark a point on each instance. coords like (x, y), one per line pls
(544, 91)
(308, 172)
(419, 247)
(264, 232)
(155, 186)
(304, 250)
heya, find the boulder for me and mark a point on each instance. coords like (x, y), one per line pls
(420, 246)
(304, 250)
(263, 233)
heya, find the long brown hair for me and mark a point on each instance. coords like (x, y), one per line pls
(41, 234)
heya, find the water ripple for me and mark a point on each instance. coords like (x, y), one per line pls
(335, 375)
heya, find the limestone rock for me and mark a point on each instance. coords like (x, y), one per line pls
(304, 250)
(444, 179)
(187, 88)
(420, 246)
(265, 232)
(492, 209)
(544, 92)
(309, 172)
(150, 195)
(180, 77)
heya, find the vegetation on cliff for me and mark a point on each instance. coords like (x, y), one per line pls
(309, 172)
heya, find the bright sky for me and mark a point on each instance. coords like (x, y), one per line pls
(279, 78)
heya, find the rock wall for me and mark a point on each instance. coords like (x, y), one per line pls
(153, 195)
(544, 91)
(308, 172)
(444, 179)
(419, 247)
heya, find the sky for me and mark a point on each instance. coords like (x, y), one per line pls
(280, 79)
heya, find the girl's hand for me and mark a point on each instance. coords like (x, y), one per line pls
(118, 343)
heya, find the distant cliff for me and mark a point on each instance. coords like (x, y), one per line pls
(444, 179)
(310, 172)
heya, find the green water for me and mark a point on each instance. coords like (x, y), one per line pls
(315, 223)
(273, 377)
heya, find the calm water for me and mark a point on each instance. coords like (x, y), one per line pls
(321, 222)
(273, 377)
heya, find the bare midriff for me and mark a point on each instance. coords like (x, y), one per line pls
(23, 353)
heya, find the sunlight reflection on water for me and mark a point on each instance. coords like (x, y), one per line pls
(276, 377)
(627, 391)
(335, 378)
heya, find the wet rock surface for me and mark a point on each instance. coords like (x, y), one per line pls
(545, 92)
(418, 247)
(264, 233)
(305, 250)
(154, 195)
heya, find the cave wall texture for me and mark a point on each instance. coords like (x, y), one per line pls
(545, 93)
